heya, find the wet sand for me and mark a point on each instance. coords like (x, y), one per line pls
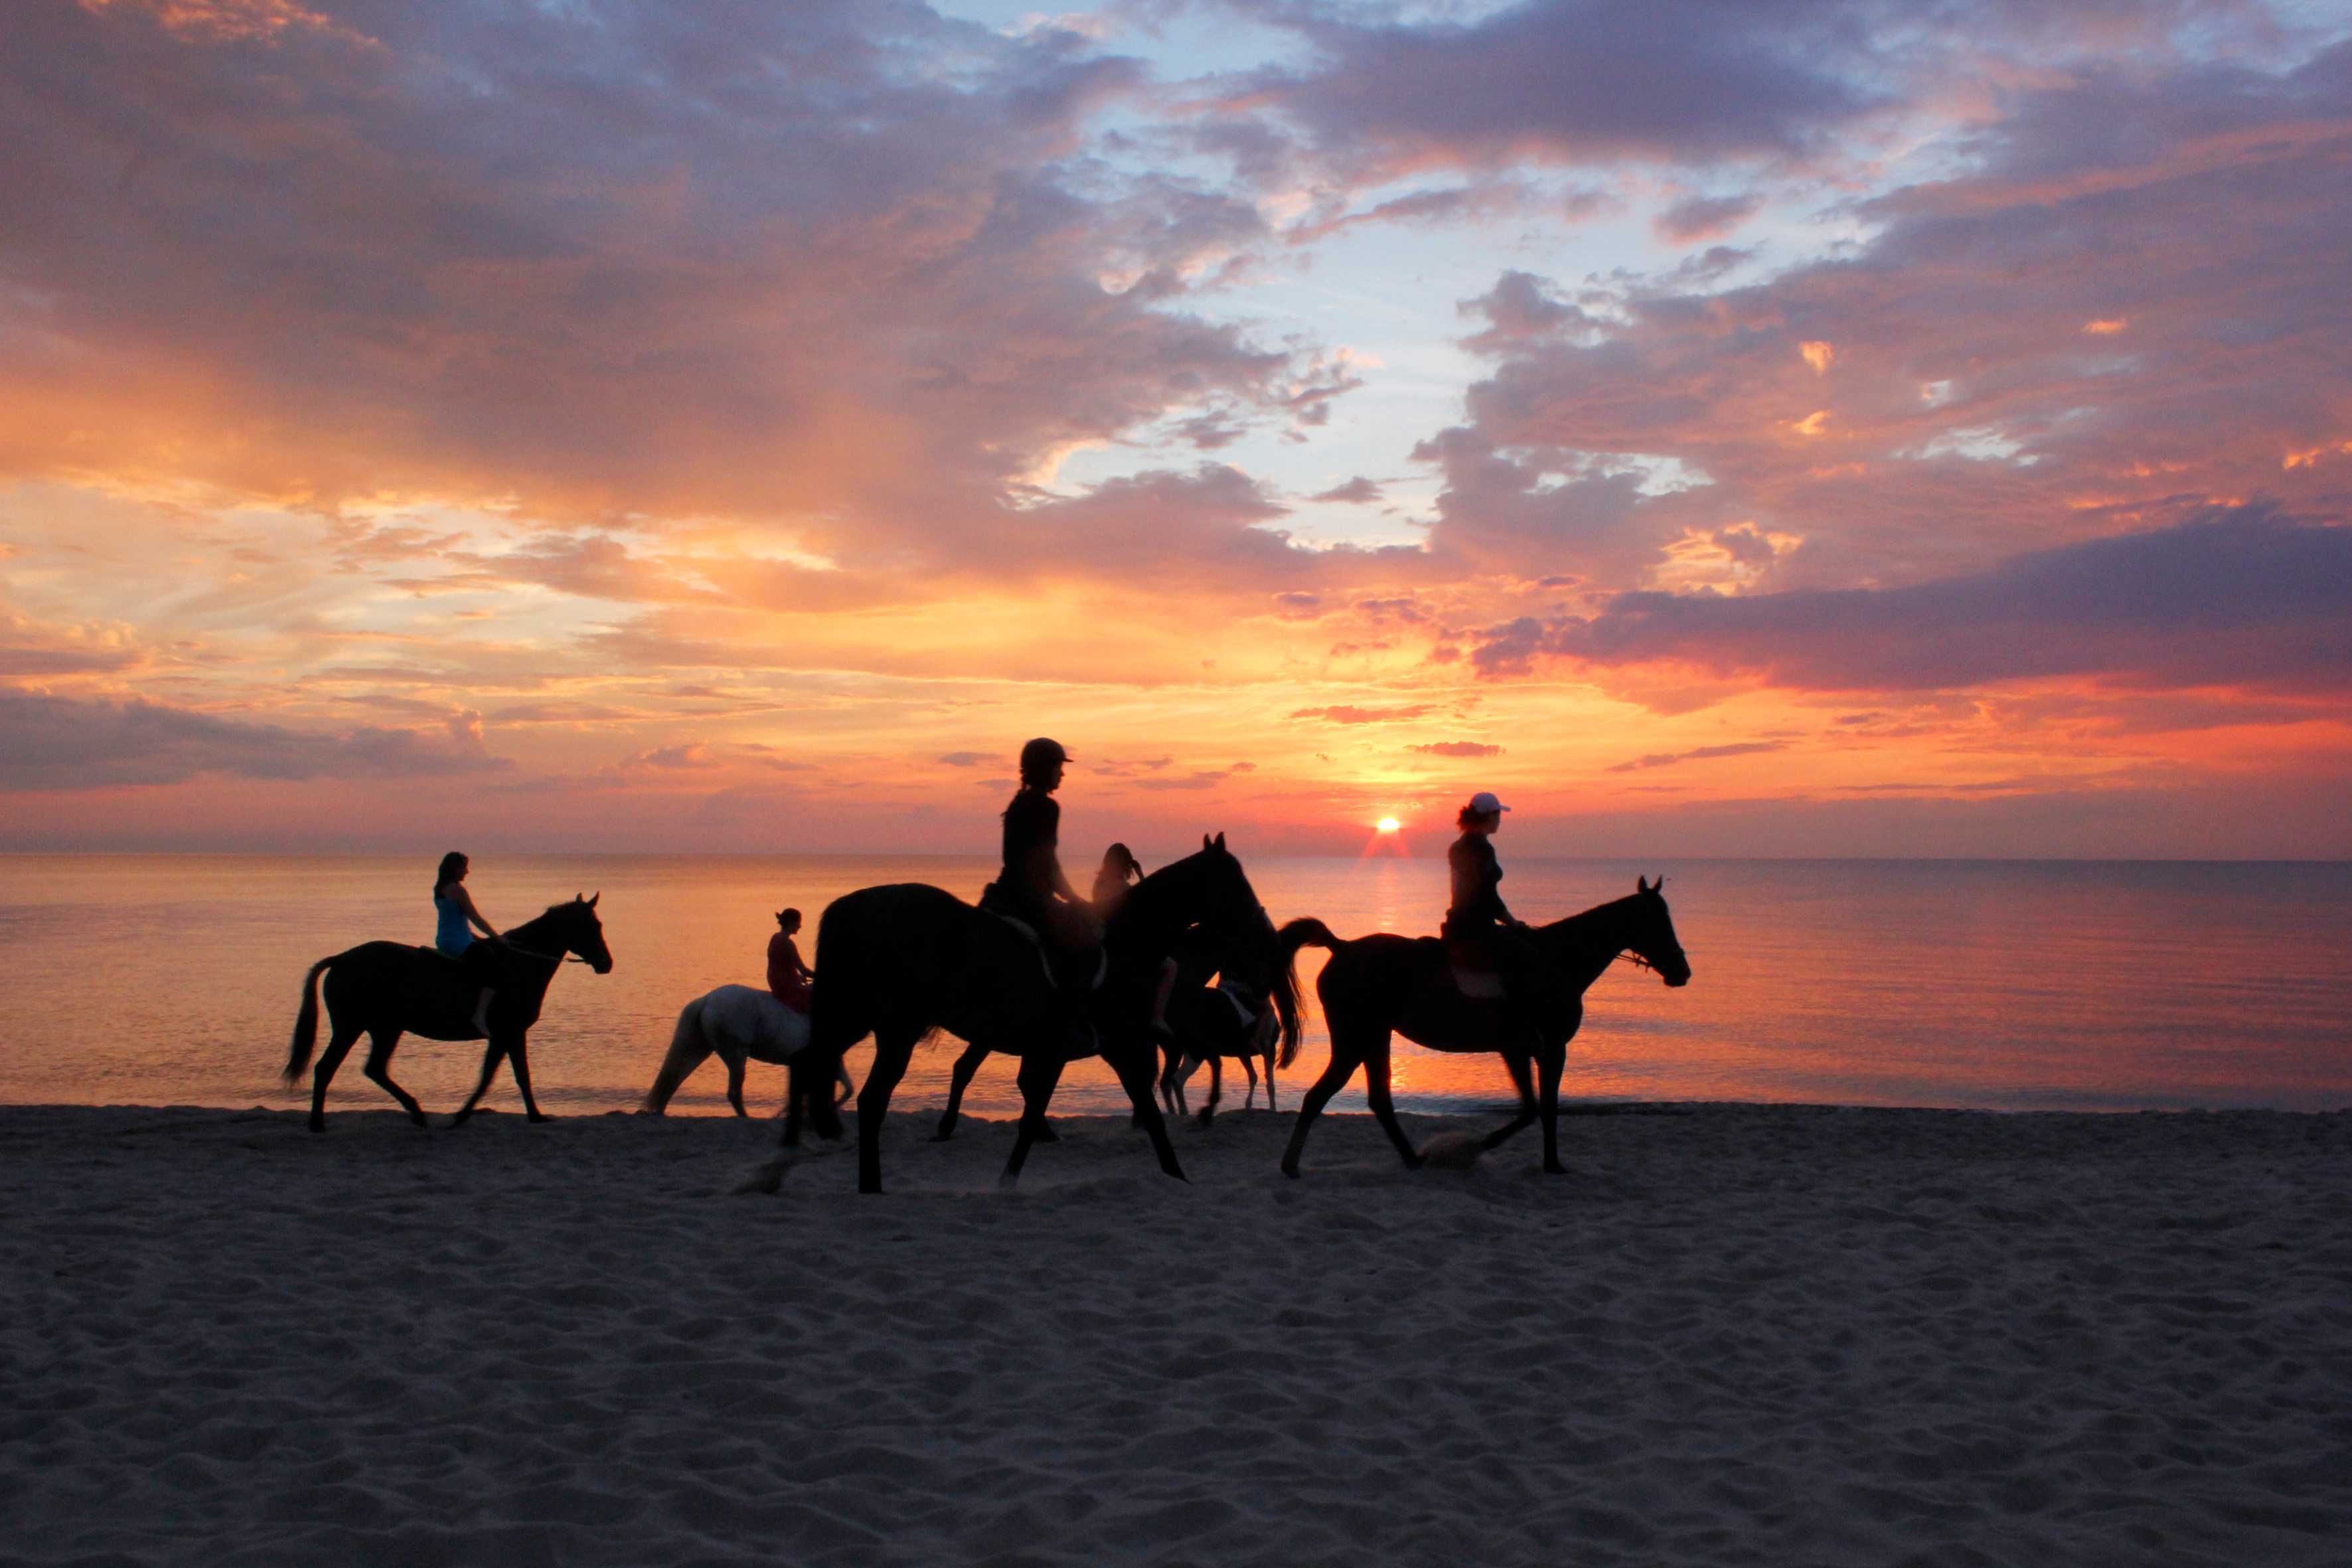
(1733, 1335)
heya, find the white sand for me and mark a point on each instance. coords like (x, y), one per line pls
(1738, 1336)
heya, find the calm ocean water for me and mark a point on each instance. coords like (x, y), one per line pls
(2095, 985)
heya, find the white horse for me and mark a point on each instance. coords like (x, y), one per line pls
(741, 1023)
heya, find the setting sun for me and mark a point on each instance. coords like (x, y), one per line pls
(1387, 825)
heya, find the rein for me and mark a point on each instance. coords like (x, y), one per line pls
(557, 958)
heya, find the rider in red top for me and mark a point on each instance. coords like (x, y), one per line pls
(788, 977)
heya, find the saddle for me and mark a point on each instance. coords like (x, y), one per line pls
(1471, 974)
(1068, 971)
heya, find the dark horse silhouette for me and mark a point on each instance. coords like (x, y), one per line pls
(1267, 972)
(1380, 985)
(381, 989)
(1236, 1019)
(902, 962)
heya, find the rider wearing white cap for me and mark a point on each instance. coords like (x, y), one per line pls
(1477, 925)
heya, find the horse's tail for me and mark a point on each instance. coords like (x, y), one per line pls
(1306, 932)
(688, 1048)
(305, 1025)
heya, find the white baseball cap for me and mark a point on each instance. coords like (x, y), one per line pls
(1485, 804)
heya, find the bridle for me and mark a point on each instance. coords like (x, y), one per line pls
(1638, 961)
(555, 958)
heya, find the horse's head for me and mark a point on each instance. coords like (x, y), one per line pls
(1652, 939)
(1222, 897)
(582, 933)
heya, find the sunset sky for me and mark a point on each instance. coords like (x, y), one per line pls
(1760, 426)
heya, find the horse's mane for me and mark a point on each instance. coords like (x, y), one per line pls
(550, 913)
(1147, 896)
(1583, 927)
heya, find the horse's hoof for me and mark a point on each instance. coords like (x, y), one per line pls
(539, 1116)
(1412, 1162)
(1007, 1182)
(318, 1126)
(1290, 1169)
(1554, 1168)
(943, 1134)
(1047, 1135)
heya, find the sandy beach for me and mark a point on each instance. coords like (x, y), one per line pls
(1733, 1335)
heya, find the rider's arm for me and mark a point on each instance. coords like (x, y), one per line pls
(1495, 896)
(473, 915)
(1044, 873)
(1487, 899)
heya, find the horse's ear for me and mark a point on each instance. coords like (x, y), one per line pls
(1641, 885)
(1204, 842)
(1220, 841)
(593, 897)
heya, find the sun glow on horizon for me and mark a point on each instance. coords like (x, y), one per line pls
(1387, 825)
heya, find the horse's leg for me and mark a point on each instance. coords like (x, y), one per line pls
(892, 1051)
(1269, 1080)
(959, 1081)
(736, 1059)
(338, 1047)
(1134, 1069)
(1250, 1067)
(1216, 1090)
(1550, 1058)
(1040, 1071)
(1376, 1090)
(790, 1111)
(1181, 1066)
(379, 1072)
(1516, 1061)
(1168, 1080)
(687, 1051)
(492, 1053)
(520, 1055)
(1345, 1054)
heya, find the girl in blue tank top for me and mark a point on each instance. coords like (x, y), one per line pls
(455, 918)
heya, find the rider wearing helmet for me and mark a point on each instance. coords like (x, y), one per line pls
(1031, 887)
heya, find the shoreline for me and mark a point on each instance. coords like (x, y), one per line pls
(1734, 1333)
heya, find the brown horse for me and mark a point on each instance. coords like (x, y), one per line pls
(1378, 985)
(384, 989)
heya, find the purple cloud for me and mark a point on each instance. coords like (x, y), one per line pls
(1703, 218)
(1699, 754)
(59, 742)
(2246, 599)
(1562, 82)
